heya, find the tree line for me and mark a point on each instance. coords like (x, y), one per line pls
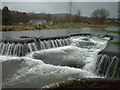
(9, 17)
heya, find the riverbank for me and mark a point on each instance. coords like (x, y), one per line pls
(49, 26)
(87, 83)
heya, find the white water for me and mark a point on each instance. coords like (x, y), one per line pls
(108, 66)
(35, 73)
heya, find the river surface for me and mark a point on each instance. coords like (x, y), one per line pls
(55, 32)
(48, 66)
(63, 32)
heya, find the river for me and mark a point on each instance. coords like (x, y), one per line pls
(55, 32)
(42, 67)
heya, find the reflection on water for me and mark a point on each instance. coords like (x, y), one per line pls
(56, 32)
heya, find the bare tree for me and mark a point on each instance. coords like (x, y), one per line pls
(78, 12)
(100, 15)
(77, 16)
(70, 11)
(70, 7)
(119, 12)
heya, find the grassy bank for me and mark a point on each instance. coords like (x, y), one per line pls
(18, 27)
(116, 43)
(115, 32)
(81, 84)
(77, 25)
(49, 26)
(112, 31)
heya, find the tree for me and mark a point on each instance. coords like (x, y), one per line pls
(70, 11)
(78, 12)
(100, 15)
(6, 16)
(77, 16)
(119, 10)
(20, 17)
(0, 17)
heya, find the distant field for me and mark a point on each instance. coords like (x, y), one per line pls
(53, 26)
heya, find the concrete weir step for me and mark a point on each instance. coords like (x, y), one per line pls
(109, 53)
(27, 40)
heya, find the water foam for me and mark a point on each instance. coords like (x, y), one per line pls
(36, 73)
(36, 69)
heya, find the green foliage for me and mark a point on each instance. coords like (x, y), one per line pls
(6, 16)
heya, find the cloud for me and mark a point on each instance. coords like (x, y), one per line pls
(60, 0)
(61, 7)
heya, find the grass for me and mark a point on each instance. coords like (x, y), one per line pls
(116, 32)
(112, 31)
(78, 25)
(17, 26)
(116, 43)
(53, 26)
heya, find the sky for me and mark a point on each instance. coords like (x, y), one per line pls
(86, 8)
(60, 0)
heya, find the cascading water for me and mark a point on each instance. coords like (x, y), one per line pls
(50, 61)
(108, 66)
(21, 49)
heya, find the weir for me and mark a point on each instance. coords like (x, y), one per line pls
(70, 60)
(21, 47)
(108, 64)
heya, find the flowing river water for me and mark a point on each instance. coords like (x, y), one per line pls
(50, 65)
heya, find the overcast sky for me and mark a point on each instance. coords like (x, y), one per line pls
(61, 7)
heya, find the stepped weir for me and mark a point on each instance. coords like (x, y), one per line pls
(107, 64)
(21, 47)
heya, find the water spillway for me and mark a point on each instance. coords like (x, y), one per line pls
(22, 47)
(51, 60)
(108, 64)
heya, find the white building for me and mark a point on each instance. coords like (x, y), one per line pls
(37, 22)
